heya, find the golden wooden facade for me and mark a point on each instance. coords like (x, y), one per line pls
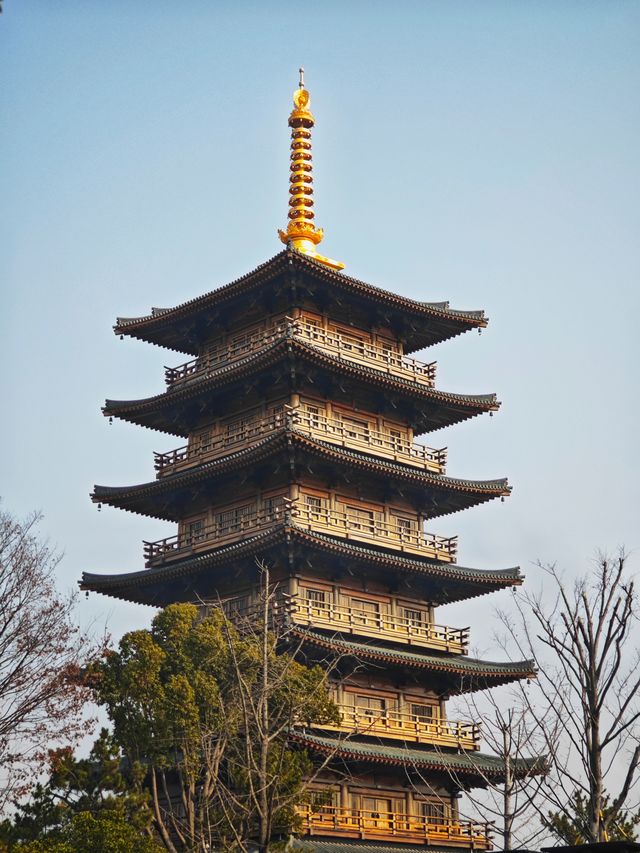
(337, 514)
(377, 821)
(370, 709)
(361, 431)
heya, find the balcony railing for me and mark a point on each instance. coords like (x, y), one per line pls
(211, 535)
(217, 445)
(374, 529)
(226, 353)
(331, 430)
(360, 823)
(341, 523)
(346, 618)
(373, 441)
(366, 352)
(344, 347)
(402, 725)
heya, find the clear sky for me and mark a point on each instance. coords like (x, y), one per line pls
(480, 152)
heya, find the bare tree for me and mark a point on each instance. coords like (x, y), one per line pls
(584, 640)
(274, 779)
(42, 656)
(508, 798)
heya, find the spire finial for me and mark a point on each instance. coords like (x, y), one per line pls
(301, 234)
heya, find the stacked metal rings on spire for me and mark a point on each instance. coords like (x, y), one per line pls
(300, 180)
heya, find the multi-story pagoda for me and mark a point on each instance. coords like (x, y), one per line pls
(300, 409)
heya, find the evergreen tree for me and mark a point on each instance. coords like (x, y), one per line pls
(202, 711)
(572, 826)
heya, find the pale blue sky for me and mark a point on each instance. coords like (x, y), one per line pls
(481, 152)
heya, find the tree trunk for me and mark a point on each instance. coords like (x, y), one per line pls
(508, 789)
(265, 818)
(164, 834)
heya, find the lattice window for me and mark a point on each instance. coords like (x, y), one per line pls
(405, 527)
(313, 327)
(365, 612)
(434, 810)
(361, 519)
(238, 429)
(313, 415)
(396, 438)
(424, 713)
(313, 505)
(273, 507)
(194, 531)
(277, 415)
(204, 441)
(415, 617)
(317, 596)
(371, 707)
(355, 428)
(352, 343)
(233, 520)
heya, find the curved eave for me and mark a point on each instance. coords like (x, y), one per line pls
(146, 585)
(463, 765)
(152, 412)
(167, 327)
(457, 494)
(464, 673)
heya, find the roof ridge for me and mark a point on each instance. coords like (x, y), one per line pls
(278, 434)
(182, 391)
(441, 309)
(446, 660)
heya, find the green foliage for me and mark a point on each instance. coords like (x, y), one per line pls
(199, 755)
(186, 700)
(107, 832)
(572, 827)
(89, 797)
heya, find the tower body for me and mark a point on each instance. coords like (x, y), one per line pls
(301, 413)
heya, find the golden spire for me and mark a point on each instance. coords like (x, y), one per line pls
(301, 234)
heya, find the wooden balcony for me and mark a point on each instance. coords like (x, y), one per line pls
(393, 826)
(226, 353)
(340, 523)
(368, 353)
(370, 441)
(331, 430)
(211, 536)
(344, 347)
(402, 725)
(218, 445)
(396, 628)
(375, 530)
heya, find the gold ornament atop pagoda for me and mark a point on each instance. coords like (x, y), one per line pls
(301, 233)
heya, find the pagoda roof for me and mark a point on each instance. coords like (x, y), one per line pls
(164, 498)
(182, 406)
(462, 764)
(197, 576)
(186, 326)
(461, 673)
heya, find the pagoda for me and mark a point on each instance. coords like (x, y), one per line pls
(300, 409)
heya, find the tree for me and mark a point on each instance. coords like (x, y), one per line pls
(510, 732)
(107, 832)
(589, 682)
(42, 656)
(573, 828)
(94, 797)
(205, 708)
